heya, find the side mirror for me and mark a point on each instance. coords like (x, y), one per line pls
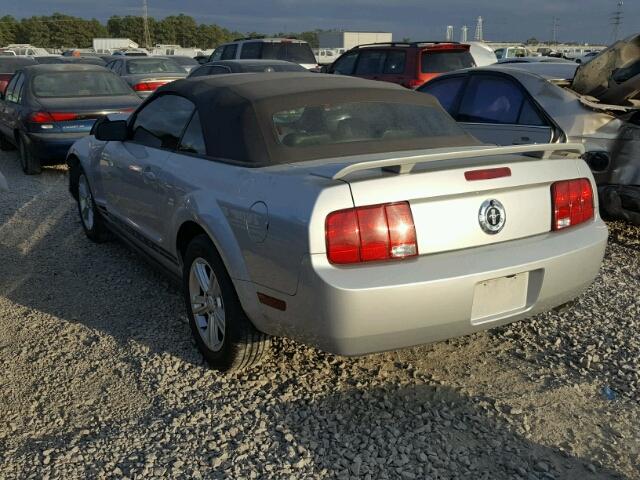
(111, 130)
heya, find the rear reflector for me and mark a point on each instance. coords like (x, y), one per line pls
(272, 301)
(372, 233)
(148, 86)
(572, 203)
(487, 174)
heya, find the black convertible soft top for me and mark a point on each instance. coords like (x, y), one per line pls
(236, 112)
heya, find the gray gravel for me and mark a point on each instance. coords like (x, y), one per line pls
(100, 378)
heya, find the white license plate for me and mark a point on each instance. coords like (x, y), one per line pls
(495, 298)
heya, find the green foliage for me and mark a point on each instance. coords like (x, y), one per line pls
(66, 31)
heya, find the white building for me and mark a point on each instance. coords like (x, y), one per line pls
(335, 40)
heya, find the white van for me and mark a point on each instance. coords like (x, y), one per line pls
(288, 49)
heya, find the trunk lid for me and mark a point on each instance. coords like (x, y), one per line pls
(446, 206)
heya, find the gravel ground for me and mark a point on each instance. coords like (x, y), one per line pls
(100, 378)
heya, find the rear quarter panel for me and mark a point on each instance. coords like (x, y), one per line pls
(257, 217)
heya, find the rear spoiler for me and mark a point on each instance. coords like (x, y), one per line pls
(405, 165)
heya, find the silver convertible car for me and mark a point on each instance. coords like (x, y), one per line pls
(348, 214)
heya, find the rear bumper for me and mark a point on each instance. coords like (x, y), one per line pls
(52, 148)
(371, 308)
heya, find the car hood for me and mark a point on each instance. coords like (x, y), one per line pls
(613, 76)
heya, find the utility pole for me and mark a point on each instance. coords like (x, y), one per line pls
(616, 21)
(145, 20)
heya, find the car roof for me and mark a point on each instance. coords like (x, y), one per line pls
(15, 62)
(525, 71)
(269, 39)
(141, 57)
(546, 70)
(261, 86)
(250, 61)
(64, 67)
(236, 113)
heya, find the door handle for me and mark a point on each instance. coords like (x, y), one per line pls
(149, 175)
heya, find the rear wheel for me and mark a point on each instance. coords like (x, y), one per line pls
(30, 164)
(92, 222)
(223, 332)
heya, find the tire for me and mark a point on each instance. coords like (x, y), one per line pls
(92, 222)
(30, 164)
(5, 145)
(223, 332)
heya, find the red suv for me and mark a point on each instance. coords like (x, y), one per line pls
(409, 64)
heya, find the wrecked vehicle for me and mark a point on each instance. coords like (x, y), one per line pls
(593, 104)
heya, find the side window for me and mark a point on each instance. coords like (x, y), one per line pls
(251, 50)
(344, 65)
(17, 88)
(529, 115)
(11, 87)
(218, 69)
(446, 91)
(395, 62)
(229, 52)
(161, 122)
(371, 62)
(491, 100)
(193, 139)
(217, 54)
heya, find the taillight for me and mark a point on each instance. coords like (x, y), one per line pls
(413, 83)
(47, 117)
(147, 86)
(372, 233)
(572, 203)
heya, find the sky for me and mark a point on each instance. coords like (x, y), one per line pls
(578, 20)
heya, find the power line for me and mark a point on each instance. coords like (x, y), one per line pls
(554, 30)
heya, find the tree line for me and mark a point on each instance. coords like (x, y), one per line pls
(66, 31)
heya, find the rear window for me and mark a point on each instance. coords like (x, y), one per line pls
(266, 67)
(445, 61)
(11, 64)
(79, 84)
(185, 61)
(290, 51)
(361, 122)
(153, 65)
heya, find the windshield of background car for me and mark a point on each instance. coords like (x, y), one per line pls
(153, 65)
(289, 51)
(79, 84)
(445, 61)
(361, 122)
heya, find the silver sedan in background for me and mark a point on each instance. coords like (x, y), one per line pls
(146, 74)
(523, 103)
